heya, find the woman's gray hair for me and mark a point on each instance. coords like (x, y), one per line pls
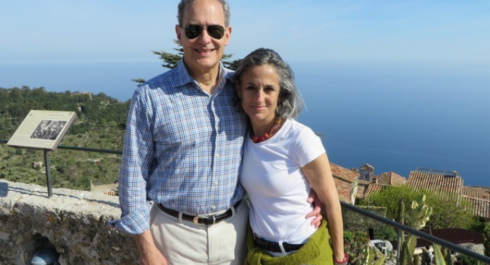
(290, 102)
(184, 3)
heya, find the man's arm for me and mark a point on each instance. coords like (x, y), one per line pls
(135, 167)
(149, 253)
(133, 178)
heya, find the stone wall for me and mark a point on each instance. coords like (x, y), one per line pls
(74, 223)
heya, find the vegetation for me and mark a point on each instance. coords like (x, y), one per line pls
(354, 244)
(486, 239)
(100, 124)
(448, 211)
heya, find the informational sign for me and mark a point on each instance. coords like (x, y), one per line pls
(42, 129)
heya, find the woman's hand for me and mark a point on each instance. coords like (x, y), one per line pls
(317, 209)
(343, 261)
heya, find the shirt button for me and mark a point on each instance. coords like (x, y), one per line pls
(217, 155)
(215, 182)
(213, 207)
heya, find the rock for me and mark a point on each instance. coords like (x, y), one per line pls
(37, 165)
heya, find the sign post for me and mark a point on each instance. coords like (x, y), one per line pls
(48, 173)
(43, 129)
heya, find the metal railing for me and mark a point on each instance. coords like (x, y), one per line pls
(75, 148)
(437, 171)
(399, 227)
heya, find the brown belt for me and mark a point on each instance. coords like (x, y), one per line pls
(207, 220)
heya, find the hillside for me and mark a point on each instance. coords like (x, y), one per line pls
(100, 124)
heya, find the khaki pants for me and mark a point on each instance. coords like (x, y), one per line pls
(187, 243)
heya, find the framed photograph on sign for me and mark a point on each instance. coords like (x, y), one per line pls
(42, 129)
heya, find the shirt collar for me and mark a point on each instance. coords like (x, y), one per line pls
(185, 78)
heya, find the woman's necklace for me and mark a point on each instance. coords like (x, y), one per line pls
(267, 135)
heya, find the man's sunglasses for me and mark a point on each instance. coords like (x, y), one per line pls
(215, 31)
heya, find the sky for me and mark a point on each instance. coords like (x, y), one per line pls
(417, 51)
(369, 31)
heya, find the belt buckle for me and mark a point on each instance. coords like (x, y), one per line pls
(196, 219)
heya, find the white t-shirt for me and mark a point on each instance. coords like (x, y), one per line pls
(278, 190)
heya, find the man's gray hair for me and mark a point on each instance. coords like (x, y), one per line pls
(290, 102)
(184, 3)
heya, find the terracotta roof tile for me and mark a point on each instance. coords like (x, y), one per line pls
(478, 196)
(361, 190)
(435, 182)
(372, 188)
(344, 189)
(366, 188)
(391, 178)
(480, 207)
(343, 173)
(344, 181)
(482, 193)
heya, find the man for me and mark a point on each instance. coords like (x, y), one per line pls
(183, 151)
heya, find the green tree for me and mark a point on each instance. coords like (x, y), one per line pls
(448, 209)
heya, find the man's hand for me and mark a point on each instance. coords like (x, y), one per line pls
(152, 257)
(317, 209)
(149, 253)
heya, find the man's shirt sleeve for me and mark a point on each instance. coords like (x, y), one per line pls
(136, 166)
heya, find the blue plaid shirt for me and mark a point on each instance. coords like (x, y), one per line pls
(182, 148)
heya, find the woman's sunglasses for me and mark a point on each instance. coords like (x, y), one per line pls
(215, 31)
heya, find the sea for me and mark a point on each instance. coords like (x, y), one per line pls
(398, 117)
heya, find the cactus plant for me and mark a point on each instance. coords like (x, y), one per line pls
(442, 256)
(416, 217)
(370, 253)
(448, 258)
(416, 260)
(419, 213)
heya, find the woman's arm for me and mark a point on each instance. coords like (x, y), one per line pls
(321, 180)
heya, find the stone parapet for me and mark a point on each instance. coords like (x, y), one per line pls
(72, 222)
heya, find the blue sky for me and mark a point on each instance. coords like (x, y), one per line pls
(447, 32)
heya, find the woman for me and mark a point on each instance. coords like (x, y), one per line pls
(283, 160)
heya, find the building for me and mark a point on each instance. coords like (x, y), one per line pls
(345, 181)
(449, 182)
(370, 183)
